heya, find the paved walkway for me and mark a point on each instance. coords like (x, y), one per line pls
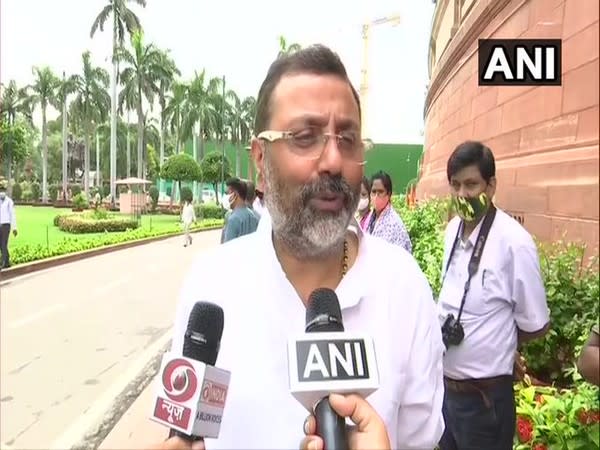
(74, 337)
(135, 431)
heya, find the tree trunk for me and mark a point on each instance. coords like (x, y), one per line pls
(140, 143)
(44, 157)
(98, 181)
(65, 149)
(161, 184)
(128, 149)
(113, 112)
(86, 164)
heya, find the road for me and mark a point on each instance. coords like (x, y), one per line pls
(73, 336)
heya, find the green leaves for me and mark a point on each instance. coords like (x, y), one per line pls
(181, 167)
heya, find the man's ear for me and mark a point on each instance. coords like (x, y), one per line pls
(491, 190)
(257, 151)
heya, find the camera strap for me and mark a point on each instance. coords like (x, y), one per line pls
(475, 255)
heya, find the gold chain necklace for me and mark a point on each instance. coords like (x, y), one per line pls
(345, 259)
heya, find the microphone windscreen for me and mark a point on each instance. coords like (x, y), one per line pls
(323, 313)
(204, 331)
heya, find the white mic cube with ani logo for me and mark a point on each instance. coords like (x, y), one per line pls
(190, 396)
(331, 362)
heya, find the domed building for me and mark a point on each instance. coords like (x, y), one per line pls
(545, 138)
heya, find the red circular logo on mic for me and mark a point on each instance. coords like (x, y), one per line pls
(179, 380)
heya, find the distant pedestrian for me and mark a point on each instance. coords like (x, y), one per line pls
(8, 222)
(188, 217)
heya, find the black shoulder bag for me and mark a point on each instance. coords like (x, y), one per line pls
(452, 330)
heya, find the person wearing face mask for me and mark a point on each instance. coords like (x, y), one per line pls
(384, 221)
(491, 301)
(363, 210)
(8, 223)
(241, 220)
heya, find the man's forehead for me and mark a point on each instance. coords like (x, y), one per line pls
(466, 174)
(302, 95)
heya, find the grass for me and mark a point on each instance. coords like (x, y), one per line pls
(35, 226)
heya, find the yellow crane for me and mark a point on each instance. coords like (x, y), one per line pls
(394, 20)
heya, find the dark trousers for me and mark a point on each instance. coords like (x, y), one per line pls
(4, 233)
(479, 418)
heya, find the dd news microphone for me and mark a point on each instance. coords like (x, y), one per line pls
(191, 392)
(328, 360)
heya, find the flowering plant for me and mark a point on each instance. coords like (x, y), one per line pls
(553, 419)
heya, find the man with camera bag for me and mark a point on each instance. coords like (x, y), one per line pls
(492, 300)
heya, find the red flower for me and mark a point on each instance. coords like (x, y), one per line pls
(588, 417)
(539, 446)
(524, 429)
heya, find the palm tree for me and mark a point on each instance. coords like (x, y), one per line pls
(123, 19)
(44, 93)
(240, 116)
(65, 87)
(285, 49)
(165, 84)
(175, 114)
(91, 104)
(139, 77)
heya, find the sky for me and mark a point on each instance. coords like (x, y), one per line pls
(239, 39)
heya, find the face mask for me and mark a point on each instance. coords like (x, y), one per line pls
(363, 204)
(225, 201)
(380, 203)
(471, 209)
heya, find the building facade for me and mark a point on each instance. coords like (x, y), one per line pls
(545, 138)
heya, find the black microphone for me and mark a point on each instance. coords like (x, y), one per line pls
(323, 314)
(202, 342)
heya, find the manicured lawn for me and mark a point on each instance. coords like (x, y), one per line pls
(35, 225)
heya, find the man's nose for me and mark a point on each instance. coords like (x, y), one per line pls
(331, 159)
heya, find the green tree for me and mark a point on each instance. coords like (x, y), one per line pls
(181, 167)
(44, 92)
(143, 70)
(13, 141)
(215, 167)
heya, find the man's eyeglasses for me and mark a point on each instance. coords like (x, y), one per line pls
(310, 142)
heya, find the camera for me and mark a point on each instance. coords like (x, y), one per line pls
(452, 331)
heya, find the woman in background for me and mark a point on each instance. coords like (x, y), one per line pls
(384, 221)
(363, 210)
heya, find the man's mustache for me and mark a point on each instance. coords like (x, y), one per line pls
(327, 184)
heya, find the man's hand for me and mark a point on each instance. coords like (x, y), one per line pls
(369, 433)
(15, 233)
(176, 443)
(520, 367)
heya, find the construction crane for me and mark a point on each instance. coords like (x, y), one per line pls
(364, 83)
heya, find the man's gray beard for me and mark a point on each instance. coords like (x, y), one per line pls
(305, 232)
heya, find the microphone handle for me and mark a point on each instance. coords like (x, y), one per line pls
(331, 427)
(185, 437)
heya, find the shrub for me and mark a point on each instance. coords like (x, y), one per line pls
(425, 225)
(572, 290)
(81, 223)
(34, 252)
(79, 201)
(209, 211)
(75, 189)
(186, 194)
(153, 192)
(17, 192)
(53, 192)
(549, 418)
(35, 191)
(105, 191)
